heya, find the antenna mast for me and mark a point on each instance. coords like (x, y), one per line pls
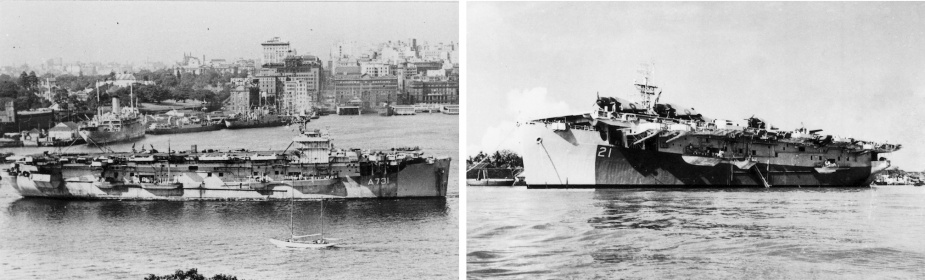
(646, 89)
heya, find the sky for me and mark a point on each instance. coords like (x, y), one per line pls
(32, 32)
(852, 69)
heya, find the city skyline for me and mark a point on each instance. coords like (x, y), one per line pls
(848, 68)
(137, 32)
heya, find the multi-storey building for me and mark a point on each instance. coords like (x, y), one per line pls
(433, 90)
(293, 85)
(375, 69)
(242, 100)
(275, 51)
(373, 92)
(297, 97)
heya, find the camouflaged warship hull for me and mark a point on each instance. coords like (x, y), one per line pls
(234, 179)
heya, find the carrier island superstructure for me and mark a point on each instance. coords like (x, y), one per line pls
(312, 169)
(622, 144)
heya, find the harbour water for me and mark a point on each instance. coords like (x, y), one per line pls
(382, 239)
(860, 233)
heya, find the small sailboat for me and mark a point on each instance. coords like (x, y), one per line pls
(300, 241)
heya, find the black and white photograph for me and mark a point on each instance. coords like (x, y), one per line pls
(694, 140)
(229, 140)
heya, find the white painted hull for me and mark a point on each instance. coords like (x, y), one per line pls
(299, 245)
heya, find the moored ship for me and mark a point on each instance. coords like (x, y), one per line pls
(483, 176)
(313, 169)
(622, 144)
(121, 124)
(186, 125)
(260, 118)
(185, 128)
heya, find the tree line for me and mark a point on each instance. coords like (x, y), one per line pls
(210, 87)
(498, 159)
(23, 91)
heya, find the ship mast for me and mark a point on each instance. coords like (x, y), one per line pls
(322, 219)
(645, 89)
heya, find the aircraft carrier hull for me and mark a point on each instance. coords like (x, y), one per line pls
(574, 158)
(425, 179)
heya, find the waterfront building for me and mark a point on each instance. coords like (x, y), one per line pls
(304, 75)
(297, 97)
(64, 131)
(242, 100)
(433, 90)
(372, 91)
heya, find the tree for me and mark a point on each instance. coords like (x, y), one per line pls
(9, 89)
(499, 159)
(33, 81)
(61, 98)
(203, 95)
(181, 94)
(160, 94)
(28, 101)
(24, 80)
(192, 274)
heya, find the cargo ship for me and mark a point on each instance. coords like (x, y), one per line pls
(260, 118)
(312, 170)
(185, 128)
(120, 124)
(623, 144)
(194, 125)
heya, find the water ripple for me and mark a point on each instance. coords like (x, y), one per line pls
(699, 234)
